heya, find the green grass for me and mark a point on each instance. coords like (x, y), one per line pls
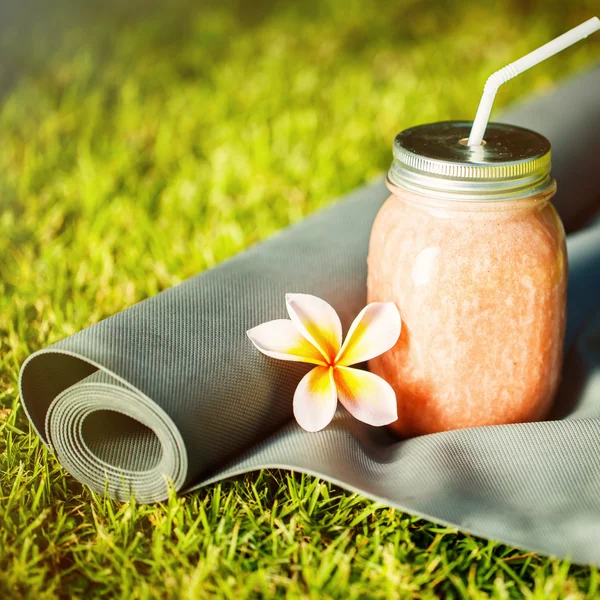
(141, 146)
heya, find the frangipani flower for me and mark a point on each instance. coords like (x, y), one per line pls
(314, 335)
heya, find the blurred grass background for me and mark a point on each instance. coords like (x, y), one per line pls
(143, 143)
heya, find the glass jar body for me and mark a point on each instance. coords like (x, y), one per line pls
(481, 288)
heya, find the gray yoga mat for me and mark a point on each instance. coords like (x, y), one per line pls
(172, 388)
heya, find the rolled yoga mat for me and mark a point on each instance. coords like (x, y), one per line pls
(171, 389)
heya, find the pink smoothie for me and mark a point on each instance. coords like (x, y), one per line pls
(481, 290)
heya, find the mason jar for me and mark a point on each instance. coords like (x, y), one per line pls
(472, 252)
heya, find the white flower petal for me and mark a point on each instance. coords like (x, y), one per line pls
(374, 331)
(366, 396)
(281, 339)
(317, 321)
(315, 399)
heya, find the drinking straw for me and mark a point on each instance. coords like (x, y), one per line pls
(516, 68)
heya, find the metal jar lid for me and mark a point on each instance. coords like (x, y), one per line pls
(434, 160)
